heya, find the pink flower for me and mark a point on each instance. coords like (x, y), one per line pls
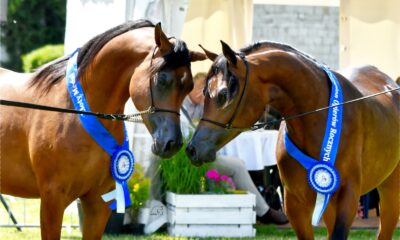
(224, 178)
(228, 180)
(213, 174)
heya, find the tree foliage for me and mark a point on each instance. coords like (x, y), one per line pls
(31, 24)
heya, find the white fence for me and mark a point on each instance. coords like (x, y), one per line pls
(25, 213)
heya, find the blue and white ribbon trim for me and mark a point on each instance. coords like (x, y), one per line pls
(122, 162)
(322, 175)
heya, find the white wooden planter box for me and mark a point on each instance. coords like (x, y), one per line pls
(211, 215)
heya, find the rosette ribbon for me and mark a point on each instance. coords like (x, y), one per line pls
(122, 160)
(322, 175)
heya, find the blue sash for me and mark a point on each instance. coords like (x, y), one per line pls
(122, 162)
(322, 175)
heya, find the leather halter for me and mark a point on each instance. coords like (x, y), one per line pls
(228, 126)
(153, 108)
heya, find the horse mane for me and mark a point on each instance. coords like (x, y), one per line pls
(54, 72)
(276, 45)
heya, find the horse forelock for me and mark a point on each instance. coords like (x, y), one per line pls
(55, 71)
(179, 56)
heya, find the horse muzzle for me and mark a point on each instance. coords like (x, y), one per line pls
(200, 152)
(167, 138)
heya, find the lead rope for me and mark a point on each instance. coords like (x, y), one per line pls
(136, 117)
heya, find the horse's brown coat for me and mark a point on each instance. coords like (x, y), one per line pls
(50, 155)
(293, 83)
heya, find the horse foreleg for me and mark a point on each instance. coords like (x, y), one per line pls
(346, 208)
(299, 214)
(389, 204)
(96, 213)
(52, 206)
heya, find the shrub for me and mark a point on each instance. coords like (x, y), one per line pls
(178, 175)
(31, 24)
(40, 56)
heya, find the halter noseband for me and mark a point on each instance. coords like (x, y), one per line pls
(228, 126)
(153, 108)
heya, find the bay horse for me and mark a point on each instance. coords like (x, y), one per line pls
(49, 155)
(241, 84)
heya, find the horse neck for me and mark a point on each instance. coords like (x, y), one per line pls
(293, 86)
(106, 80)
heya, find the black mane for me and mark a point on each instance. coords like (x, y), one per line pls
(53, 72)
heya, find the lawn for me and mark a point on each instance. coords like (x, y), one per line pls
(27, 212)
(263, 232)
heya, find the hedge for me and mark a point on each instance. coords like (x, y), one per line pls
(36, 58)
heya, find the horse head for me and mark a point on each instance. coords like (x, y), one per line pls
(160, 84)
(226, 94)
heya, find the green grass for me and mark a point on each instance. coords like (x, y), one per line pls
(263, 232)
(71, 218)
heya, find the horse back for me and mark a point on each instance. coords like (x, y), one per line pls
(380, 118)
(369, 80)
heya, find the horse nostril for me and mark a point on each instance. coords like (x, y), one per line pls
(191, 151)
(170, 145)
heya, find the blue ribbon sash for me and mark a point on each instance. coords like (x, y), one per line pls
(322, 175)
(122, 161)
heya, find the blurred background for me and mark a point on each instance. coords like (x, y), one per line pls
(338, 32)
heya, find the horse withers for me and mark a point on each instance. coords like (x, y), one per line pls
(50, 155)
(241, 84)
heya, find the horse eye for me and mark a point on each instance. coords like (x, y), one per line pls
(214, 71)
(233, 83)
(164, 79)
(222, 97)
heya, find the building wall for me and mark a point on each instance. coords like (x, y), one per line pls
(311, 29)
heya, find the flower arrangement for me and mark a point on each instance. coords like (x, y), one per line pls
(139, 189)
(218, 183)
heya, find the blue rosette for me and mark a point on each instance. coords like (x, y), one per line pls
(122, 165)
(323, 178)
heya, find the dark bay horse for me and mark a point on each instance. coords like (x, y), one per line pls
(241, 84)
(50, 155)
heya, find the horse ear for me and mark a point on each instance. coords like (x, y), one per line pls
(210, 55)
(229, 54)
(197, 56)
(161, 39)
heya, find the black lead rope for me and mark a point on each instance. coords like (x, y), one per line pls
(133, 117)
(269, 123)
(118, 117)
(114, 117)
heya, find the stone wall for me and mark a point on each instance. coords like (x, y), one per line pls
(311, 29)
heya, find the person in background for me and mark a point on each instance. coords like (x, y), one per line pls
(228, 165)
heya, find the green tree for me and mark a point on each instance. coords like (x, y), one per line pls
(31, 24)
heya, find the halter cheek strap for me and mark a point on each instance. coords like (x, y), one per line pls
(153, 108)
(228, 125)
